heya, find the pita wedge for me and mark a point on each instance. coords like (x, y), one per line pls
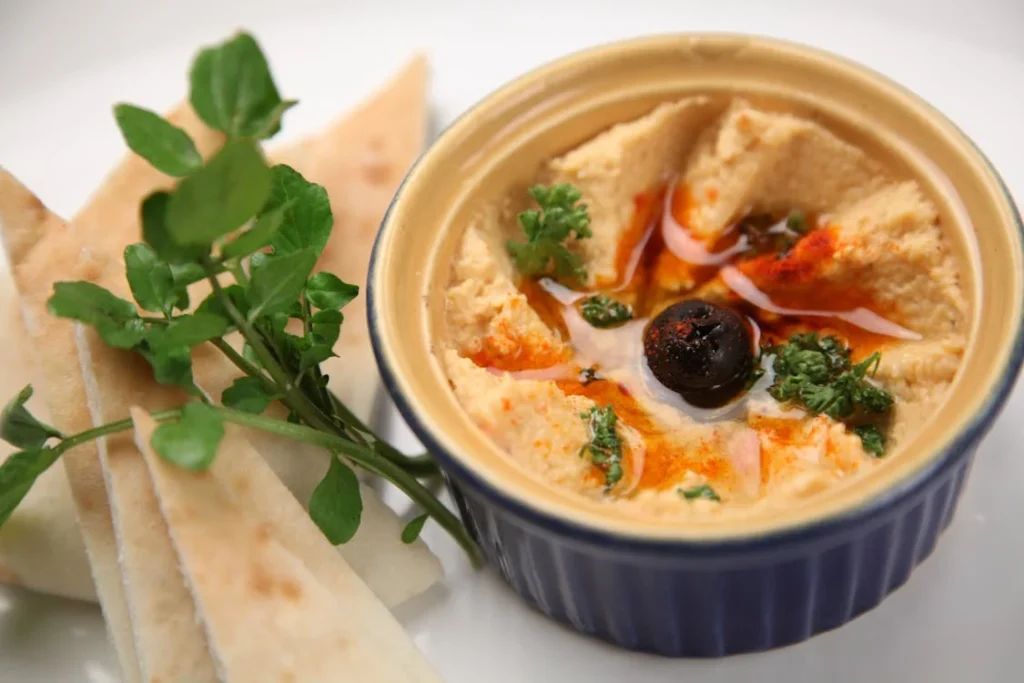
(46, 250)
(159, 607)
(396, 571)
(274, 599)
(361, 160)
(40, 546)
(45, 525)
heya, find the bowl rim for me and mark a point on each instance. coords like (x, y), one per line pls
(838, 522)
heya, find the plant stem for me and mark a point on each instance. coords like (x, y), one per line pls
(293, 398)
(418, 465)
(366, 458)
(235, 268)
(369, 460)
(111, 428)
(243, 364)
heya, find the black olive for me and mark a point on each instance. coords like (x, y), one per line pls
(701, 351)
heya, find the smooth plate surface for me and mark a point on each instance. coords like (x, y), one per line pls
(961, 616)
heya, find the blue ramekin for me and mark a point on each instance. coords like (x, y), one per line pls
(708, 598)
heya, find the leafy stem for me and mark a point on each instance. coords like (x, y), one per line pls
(363, 456)
(256, 233)
(419, 465)
(110, 428)
(294, 398)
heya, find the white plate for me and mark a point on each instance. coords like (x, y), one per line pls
(961, 617)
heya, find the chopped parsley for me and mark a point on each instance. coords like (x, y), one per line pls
(603, 311)
(560, 217)
(768, 234)
(605, 446)
(816, 372)
(704, 491)
(588, 375)
(871, 439)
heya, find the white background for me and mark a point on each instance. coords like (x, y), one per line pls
(62, 64)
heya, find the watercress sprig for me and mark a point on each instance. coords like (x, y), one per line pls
(254, 232)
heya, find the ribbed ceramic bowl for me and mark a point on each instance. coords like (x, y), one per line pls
(713, 589)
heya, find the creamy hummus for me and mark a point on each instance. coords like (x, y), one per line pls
(665, 194)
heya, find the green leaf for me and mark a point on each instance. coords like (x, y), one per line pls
(248, 395)
(18, 473)
(704, 491)
(325, 327)
(115, 319)
(192, 441)
(337, 504)
(603, 311)
(313, 356)
(276, 285)
(186, 274)
(259, 235)
(190, 330)
(20, 428)
(152, 280)
(329, 292)
(307, 217)
(412, 530)
(173, 366)
(212, 305)
(219, 197)
(604, 445)
(272, 124)
(559, 219)
(872, 439)
(168, 148)
(233, 91)
(156, 234)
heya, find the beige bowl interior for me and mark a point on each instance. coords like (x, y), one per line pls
(499, 145)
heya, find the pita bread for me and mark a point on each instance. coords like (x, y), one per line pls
(159, 606)
(49, 251)
(276, 602)
(45, 525)
(396, 571)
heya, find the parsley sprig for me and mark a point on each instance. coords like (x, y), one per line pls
(254, 232)
(704, 491)
(816, 372)
(605, 445)
(560, 217)
(600, 310)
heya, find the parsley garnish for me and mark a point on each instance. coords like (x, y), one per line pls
(767, 234)
(605, 446)
(872, 439)
(603, 311)
(817, 373)
(588, 375)
(254, 232)
(559, 218)
(704, 491)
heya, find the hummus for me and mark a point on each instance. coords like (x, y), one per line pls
(667, 196)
